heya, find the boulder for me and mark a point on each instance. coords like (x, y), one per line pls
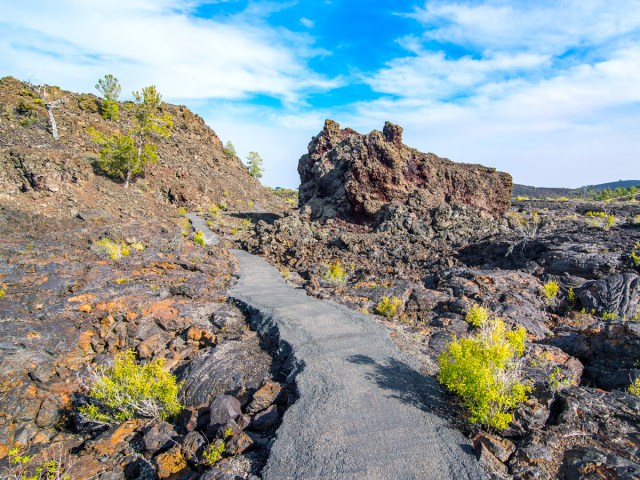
(357, 177)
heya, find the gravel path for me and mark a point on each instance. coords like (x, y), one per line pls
(364, 411)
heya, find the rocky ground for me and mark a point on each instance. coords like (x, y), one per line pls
(580, 421)
(67, 307)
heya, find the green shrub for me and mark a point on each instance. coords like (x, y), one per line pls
(213, 454)
(2, 294)
(636, 256)
(484, 371)
(198, 237)
(571, 296)
(214, 211)
(610, 316)
(550, 290)
(634, 388)
(335, 273)
(477, 315)
(21, 467)
(558, 380)
(128, 390)
(388, 306)
(113, 250)
(285, 273)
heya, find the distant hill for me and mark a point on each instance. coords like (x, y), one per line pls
(548, 192)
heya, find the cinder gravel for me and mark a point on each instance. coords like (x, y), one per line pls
(364, 411)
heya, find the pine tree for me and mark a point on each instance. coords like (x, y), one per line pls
(110, 89)
(254, 164)
(229, 150)
(125, 155)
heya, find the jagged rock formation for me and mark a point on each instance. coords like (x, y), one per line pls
(367, 178)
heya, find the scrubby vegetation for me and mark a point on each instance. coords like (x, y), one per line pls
(127, 390)
(484, 370)
(335, 273)
(551, 289)
(213, 453)
(198, 237)
(388, 306)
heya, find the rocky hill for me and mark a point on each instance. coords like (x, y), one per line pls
(58, 179)
(548, 192)
(368, 178)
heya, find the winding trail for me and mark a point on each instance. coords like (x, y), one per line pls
(364, 411)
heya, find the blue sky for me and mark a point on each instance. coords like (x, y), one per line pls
(548, 91)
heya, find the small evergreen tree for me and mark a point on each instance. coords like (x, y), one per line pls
(125, 155)
(110, 89)
(254, 164)
(229, 150)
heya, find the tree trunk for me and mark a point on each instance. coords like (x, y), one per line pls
(127, 179)
(52, 121)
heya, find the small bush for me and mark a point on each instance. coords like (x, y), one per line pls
(2, 294)
(285, 273)
(477, 315)
(127, 390)
(335, 273)
(388, 306)
(246, 224)
(635, 256)
(558, 380)
(108, 248)
(634, 388)
(485, 372)
(571, 296)
(610, 316)
(550, 290)
(198, 237)
(213, 454)
(182, 211)
(21, 467)
(214, 211)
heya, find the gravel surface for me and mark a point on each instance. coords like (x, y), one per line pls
(364, 411)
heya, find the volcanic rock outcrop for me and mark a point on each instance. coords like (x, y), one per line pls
(367, 178)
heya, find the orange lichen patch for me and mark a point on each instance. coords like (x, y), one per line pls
(116, 306)
(163, 310)
(86, 308)
(4, 450)
(33, 335)
(170, 462)
(131, 316)
(84, 341)
(165, 265)
(84, 298)
(112, 441)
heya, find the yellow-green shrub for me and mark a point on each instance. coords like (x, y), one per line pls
(335, 273)
(484, 371)
(128, 390)
(636, 256)
(213, 454)
(388, 306)
(198, 237)
(477, 315)
(550, 290)
(634, 388)
(108, 248)
(1, 293)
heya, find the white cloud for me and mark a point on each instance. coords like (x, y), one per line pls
(544, 25)
(307, 23)
(72, 43)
